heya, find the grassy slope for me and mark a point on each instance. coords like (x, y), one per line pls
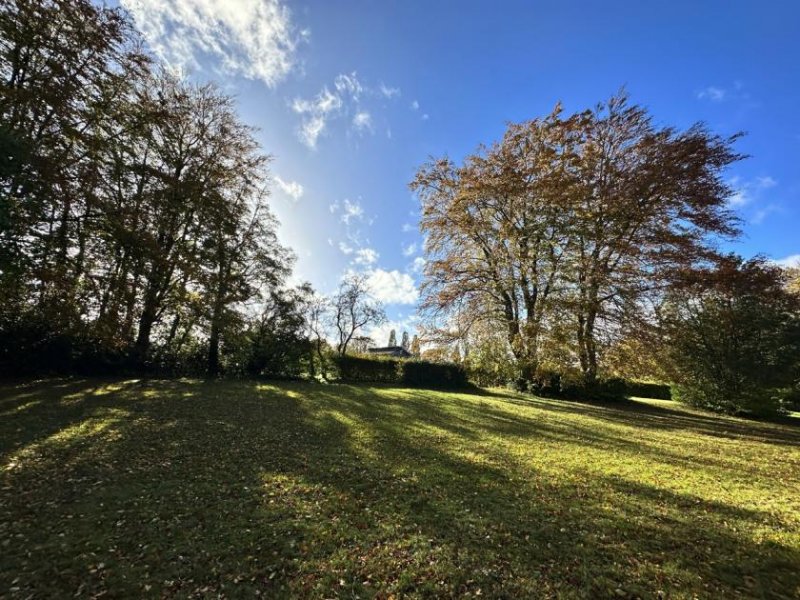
(187, 488)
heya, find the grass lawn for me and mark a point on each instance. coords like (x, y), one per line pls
(239, 489)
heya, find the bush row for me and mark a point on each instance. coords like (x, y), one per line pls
(411, 373)
(554, 384)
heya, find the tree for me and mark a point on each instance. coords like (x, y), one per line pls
(392, 338)
(571, 220)
(361, 344)
(277, 341)
(353, 308)
(318, 309)
(651, 202)
(405, 342)
(133, 214)
(63, 67)
(415, 349)
(733, 337)
(497, 229)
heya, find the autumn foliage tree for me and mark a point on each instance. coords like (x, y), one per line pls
(733, 337)
(134, 223)
(572, 219)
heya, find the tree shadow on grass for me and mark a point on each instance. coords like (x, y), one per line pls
(640, 414)
(324, 491)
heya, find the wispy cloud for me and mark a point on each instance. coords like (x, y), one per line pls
(751, 198)
(388, 92)
(256, 39)
(351, 209)
(362, 121)
(415, 105)
(344, 99)
(746, 192)
(291, 188)
(315, 113)
(366, 256)
(410, 249)
(712, 93)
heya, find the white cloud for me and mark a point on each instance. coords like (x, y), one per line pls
(345, 248)
(745, 192)
(291, 188)
(316, 113)
(425, 117)
(349, 85)
(342, 101)
(392, 287)
(415, 105)
(252, 38)
(793, 260)
(712, 93)
(765, 183)
(366, 256)
(362, 121)
(351, 210)
(407, 227)
(762, 213)
(388, 92)
(417, 266)
(410, 250)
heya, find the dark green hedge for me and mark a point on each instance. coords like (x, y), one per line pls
(371, 370)
(411, 373)
(643, 389)
(418, 373)
(559, 385)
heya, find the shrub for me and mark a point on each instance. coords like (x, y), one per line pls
(367, 369)
(418, 373)
(570, 384)
(411, 373)
(646, 389)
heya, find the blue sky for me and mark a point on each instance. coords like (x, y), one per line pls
(352, 96)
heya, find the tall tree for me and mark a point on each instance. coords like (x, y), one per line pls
(353, 308)
(404, 343)
(63, 64)
(415, 346)
(498, 228)
(392, 338)
(571, 219)
(651, 202)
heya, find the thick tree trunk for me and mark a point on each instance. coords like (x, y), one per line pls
(216, 319)
(141, 347)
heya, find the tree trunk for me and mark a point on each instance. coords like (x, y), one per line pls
(146, 321)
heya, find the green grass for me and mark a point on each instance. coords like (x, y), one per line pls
(239, 489)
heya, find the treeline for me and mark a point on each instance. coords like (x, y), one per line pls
(134, 225)
(584, 247)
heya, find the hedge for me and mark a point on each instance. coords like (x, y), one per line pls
(571, 385)
(410, 373)
(644, 389)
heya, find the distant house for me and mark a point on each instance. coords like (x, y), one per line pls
(396, 351)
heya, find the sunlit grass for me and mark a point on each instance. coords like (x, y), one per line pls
(136, 488)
